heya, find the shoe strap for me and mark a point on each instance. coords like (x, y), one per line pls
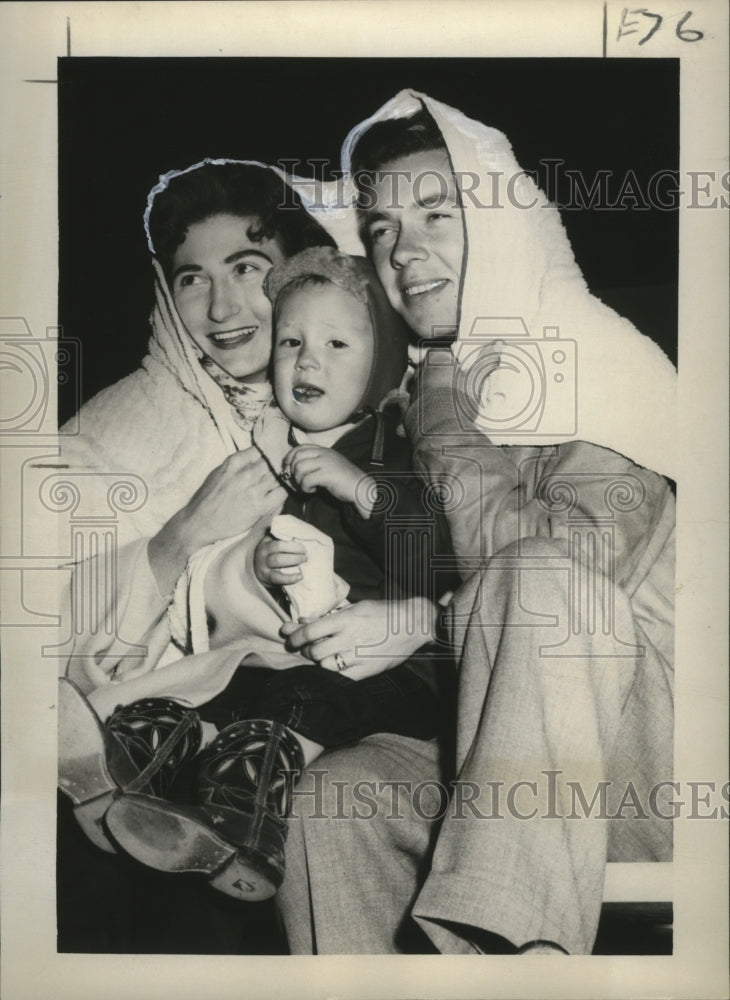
(272, 749)
(279, 734)
(279, 758)
(163, 754)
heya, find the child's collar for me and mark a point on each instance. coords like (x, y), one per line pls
(324, 439)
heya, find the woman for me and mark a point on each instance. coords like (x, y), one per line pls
(179, 431)
(181, 424)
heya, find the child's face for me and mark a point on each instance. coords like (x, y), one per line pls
(323, 353)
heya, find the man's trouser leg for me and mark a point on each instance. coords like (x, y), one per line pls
(543, 722)
(357, 850)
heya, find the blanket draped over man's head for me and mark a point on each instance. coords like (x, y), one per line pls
(570, 367)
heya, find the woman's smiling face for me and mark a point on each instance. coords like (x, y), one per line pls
(217, 284)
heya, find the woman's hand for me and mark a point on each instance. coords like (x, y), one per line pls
(364, 635)
(310, 466)
(276, 562)
(231, 500)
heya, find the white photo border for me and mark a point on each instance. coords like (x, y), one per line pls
(34, 35)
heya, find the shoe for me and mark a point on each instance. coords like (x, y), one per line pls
(142, 747)
(235, 834)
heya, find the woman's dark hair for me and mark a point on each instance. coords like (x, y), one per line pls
(390, 140)
(242, 189)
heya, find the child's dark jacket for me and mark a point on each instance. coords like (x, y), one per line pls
(401, 551)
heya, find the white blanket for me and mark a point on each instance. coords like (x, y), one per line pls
(526, 306)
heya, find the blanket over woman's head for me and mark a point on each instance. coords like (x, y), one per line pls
(174, 419)
(569, 367)
(168, 424)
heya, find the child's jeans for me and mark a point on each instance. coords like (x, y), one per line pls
(413, 699)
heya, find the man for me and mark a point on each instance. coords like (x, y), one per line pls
(563, 624)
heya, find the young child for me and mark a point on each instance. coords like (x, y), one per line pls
(339, 349)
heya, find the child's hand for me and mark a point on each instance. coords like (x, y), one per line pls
(275, 562)
(311, 466)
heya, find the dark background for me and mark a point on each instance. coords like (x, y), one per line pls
(123, 122)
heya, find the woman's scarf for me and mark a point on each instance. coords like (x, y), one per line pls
(246, 400)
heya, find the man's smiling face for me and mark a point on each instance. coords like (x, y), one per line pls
(416, 236)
